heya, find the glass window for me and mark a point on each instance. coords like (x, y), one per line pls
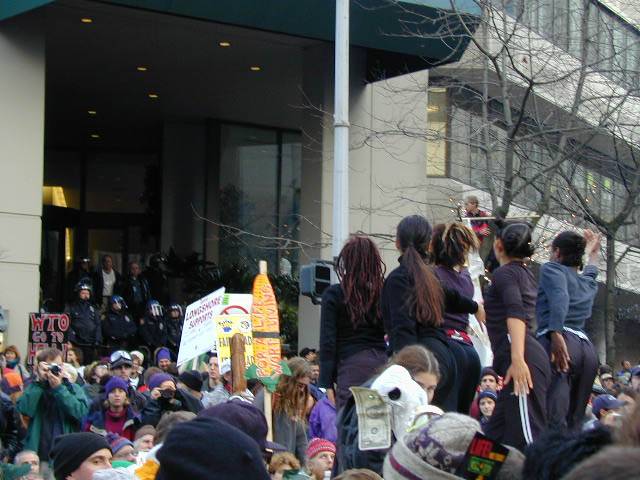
(437, 112)
(259, 194)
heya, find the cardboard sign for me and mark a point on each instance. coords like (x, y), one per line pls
(237, 303)
(199, 329)
(266, 326)
(47, 330)
(483, 459)
(226, 327)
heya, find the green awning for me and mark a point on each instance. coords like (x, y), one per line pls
(406, 27)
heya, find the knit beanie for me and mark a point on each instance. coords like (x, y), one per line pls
(203, 446)
(318, 445)
(145, 430)
(488, 394)
(117, 442)
(158, 379)
(113, 383)
(489, 371)
(69, 451)
(438, 449)
(163, 354)
(192, 379)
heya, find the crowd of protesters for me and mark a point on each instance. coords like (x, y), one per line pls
(114, 405)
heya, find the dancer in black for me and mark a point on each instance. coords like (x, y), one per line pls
(450, 246)
(510, 301)
(565, 303)
(352, 343)
(413, 302)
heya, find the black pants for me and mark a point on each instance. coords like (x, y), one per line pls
(569, 392)
(517, 421)
(468, 368)
(355, 370)
(446, 394)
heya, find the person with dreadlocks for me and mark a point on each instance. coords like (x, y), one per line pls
(450, 246)
(352, 343)
(413, 303)
(290, 404)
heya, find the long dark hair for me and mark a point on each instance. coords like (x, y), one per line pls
(571, 246)
(452, 243)
(426, 299)
(361, 272)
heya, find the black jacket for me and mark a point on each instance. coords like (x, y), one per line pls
(118, 327)
(338, 339)
(9, 422)
(183, 401)
(85, 323)
(174, 332)
(98, 284)
(153, 331)
(400, 322)
(130, 289)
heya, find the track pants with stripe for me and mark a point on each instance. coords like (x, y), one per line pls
(518, 420)
(569, 392)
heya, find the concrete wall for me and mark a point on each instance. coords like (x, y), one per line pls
(22, 75)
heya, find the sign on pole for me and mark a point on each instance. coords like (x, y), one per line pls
(47, 330)
(226, 327)
(266, 326)
(199, 328)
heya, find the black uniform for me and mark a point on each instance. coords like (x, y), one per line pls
(158, 283)
(136, 294)
(516, 421)
(85, 330)
(119, 330)
(174, 332)
(153, 331)
(404, 330)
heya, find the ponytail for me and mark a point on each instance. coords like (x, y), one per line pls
(452, 243)
(426, 301)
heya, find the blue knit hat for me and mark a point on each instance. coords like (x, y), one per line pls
(113, 383)
(163, 354)
(488, 394)
(158, 379)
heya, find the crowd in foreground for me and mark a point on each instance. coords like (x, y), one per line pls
(407, 338)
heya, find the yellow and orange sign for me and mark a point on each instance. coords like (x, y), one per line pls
(266, 326)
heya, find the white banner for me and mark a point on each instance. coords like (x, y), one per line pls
(199, 328)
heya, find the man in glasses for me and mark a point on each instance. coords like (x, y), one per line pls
(121, 365)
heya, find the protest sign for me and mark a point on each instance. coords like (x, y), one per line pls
(266, 326)
(226, 327)
(237, 303)
(199, 329)
(47, 330)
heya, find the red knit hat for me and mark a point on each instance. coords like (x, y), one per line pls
(318, 445)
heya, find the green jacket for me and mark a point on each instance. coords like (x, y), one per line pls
(71, 401)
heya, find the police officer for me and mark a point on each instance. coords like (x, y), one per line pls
(85, 331)
(118, 329)
(81, 273)
(173, 322)
(153, 331)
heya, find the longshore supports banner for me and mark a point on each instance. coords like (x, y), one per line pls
(199, 328)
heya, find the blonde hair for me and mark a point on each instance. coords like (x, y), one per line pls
(282, 459)
(289, 398)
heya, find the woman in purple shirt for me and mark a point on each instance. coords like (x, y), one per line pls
(510, 302)
(450, 246)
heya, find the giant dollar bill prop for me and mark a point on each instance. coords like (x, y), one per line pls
(374, 419)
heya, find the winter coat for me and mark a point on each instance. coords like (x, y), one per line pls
(69, 399)
(286, 431)
(322, 421)
(118, 327)
(9, 422)
(86, 328)
(96, 422)
(155, 409)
